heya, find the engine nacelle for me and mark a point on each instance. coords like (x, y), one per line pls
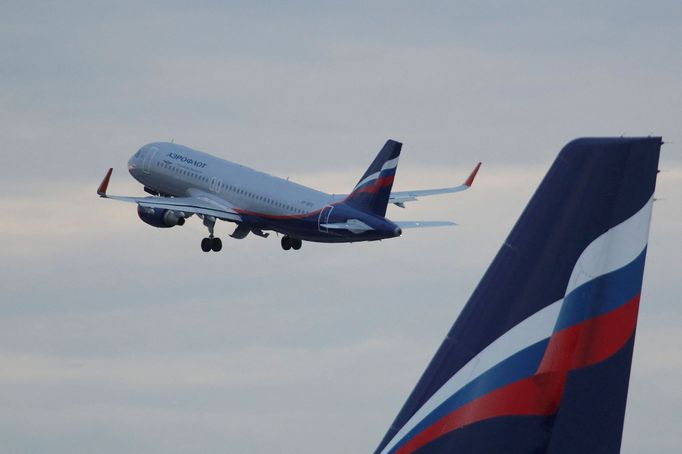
(159, 217)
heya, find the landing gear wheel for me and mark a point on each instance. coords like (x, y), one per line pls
(206, 244)
(216, 244)
(296, 243)
(286, 243)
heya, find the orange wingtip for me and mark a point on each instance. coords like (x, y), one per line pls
(470, 180)
(102, 190)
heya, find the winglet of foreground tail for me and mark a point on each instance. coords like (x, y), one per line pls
(102, 189)
(539, 359)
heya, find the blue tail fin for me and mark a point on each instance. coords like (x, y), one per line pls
(539, 359)
(374, 188)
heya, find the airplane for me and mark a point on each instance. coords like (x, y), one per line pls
(183, 182)
(539, 359)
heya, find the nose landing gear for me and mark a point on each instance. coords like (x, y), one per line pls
(291, 243)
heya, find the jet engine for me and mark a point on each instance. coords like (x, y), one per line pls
(159, 217)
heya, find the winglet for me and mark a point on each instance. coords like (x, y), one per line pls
(102, 190)
(470, 180)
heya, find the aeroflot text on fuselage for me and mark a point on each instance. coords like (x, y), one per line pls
(186, 160)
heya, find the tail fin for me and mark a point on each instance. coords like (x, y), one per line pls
(374, 188)
(539, 359)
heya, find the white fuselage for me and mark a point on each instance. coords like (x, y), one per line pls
(177, 170)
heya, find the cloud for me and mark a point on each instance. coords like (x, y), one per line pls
(116, 336)
(123, 331)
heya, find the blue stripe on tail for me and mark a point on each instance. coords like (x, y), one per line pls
(594, 186)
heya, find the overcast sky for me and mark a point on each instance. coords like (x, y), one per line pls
(118, 337)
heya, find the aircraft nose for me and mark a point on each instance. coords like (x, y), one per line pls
(397, 231)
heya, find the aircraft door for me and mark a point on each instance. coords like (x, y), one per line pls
(148, 158)
(216, 184)
(324, 218)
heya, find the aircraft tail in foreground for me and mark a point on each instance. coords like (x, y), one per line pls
(539, 359)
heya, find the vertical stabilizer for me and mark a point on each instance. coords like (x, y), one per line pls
(539, 359)
(372, 192)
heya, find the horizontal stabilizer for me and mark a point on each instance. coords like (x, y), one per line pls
(352, 225)
(419, 224)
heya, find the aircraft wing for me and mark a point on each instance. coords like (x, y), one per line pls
(199, 203)
(400, 197)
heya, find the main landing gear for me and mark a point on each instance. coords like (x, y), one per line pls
(291, 243)
(211, 243)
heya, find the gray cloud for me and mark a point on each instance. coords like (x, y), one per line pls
(118, 337)
(504, 83)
